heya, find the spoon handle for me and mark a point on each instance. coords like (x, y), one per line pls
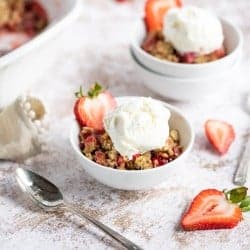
(242, 171)
(122, 240)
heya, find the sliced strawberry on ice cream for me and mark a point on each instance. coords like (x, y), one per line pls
(211, 209)
(220, 134)
(155, 11)
(90, 109)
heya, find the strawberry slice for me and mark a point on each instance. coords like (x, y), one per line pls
(211, 210)
(90, 110)
(220, 134)
(155, 11)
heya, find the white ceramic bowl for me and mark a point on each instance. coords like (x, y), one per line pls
(136, 179)
(233, 44)
(22, 67)
(181, 89)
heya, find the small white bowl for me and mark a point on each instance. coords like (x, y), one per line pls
(181, 89)
(233, 44)
(137, 179)
(23, 66)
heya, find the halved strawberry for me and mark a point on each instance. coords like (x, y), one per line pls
(90, 110)
(155, 11)
(220, 134)
(211, 210)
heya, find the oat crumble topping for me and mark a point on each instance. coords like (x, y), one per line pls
(156, 45)
(98, 147)
(11, 12)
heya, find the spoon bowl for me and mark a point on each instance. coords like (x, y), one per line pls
(44, 193)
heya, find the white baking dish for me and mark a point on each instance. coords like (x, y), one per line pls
(21, 68)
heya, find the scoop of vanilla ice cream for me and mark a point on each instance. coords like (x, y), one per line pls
(192, 29)
(138, 126)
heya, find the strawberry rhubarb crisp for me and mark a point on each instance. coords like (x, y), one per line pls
(20, 20)
(134, 135)
(182, 34)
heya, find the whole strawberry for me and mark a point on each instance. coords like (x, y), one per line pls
(90, 109)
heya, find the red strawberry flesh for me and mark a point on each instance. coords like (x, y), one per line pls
(211, 210)
(90, 110)
(188, 57)
(220, 134)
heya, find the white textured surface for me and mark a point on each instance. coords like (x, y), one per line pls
(96, 48)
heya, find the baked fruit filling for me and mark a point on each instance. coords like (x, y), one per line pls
(98, 147)
(134, 135)
(156, 45)
(20, 21)
(182, 34)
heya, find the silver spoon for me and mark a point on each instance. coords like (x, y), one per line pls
(49, 197)
(241, 173)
